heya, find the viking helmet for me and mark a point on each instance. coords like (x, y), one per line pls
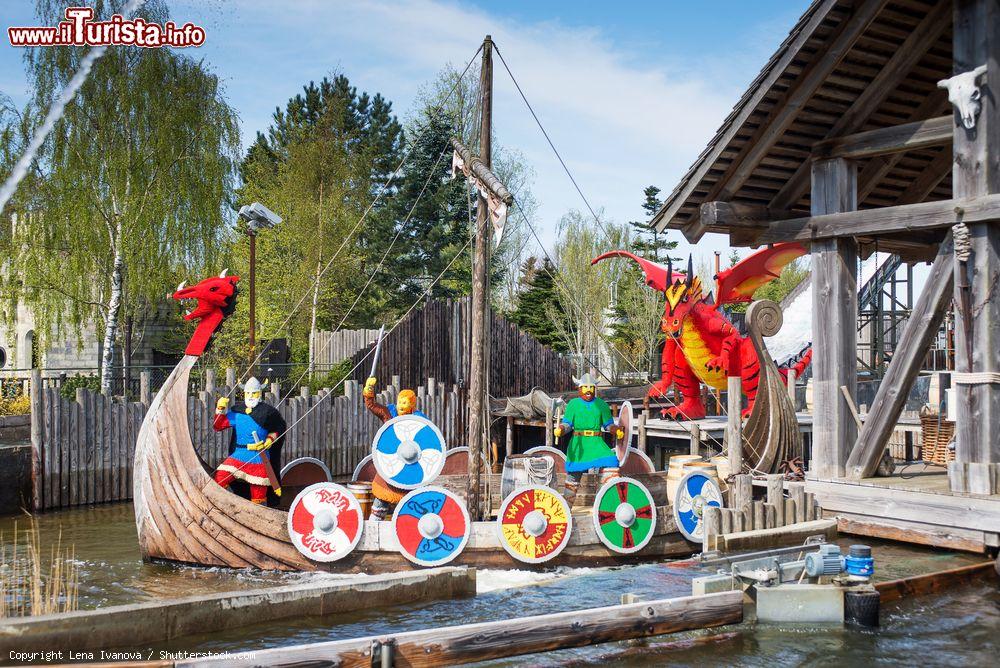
(252, 392)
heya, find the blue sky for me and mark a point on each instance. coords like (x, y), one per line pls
(630, 91)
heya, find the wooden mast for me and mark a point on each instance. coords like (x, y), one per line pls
(480, 358)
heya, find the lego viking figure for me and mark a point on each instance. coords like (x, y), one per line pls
(258, 430)
(587, 417)
(386, 495)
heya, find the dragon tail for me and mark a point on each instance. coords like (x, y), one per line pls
(796, 363)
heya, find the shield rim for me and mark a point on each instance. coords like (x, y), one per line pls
(597, 525)
(546, 450)
(674, 505)
(514, 553)
(431, 477)
(624, 452)
(354, 505)
(312, 460)
(465, 539)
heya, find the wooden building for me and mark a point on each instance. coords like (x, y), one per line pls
(857, 136)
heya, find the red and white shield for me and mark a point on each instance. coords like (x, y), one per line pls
(325, 522)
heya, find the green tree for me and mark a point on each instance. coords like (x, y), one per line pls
(431, 218)
(538, 302)
(646, 241)
(322, 164)
(133, 183)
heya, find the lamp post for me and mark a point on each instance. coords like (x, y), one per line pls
(258, 217)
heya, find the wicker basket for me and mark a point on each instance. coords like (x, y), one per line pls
(937, 433)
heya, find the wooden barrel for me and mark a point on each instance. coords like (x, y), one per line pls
(721, 466)
(362, 491)
(675, 471)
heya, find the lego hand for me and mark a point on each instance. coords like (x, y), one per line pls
(268, 442)
(558, 431)
(222, 405)
(369, 390)
(619, 433)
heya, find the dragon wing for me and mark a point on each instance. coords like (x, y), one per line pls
(739, 282)
(658, 276)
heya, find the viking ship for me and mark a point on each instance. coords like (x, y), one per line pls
(183, 515)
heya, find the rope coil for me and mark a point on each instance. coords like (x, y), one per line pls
(975, 377)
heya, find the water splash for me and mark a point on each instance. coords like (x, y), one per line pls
(56, 111)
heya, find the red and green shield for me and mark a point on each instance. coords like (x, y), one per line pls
(624, 515)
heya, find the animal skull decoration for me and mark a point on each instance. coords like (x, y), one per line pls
(964, 94)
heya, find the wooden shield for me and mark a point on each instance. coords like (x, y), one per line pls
(695, 491)
(409, 451)
(431, 525)
(534, 524)
(625, 423)
(325, 522)
(624, 515)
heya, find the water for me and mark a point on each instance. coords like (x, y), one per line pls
(958, 627)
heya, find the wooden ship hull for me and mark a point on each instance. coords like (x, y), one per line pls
(183, 515)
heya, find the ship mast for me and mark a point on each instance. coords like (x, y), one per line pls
(478, 428)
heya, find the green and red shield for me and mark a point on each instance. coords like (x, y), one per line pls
(624, 515)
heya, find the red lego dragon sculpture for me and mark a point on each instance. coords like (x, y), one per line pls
(702, 345)
(216, 297)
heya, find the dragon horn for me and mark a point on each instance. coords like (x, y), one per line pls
(180, 286)
(223, 274)
(690, 272)
(670, 271)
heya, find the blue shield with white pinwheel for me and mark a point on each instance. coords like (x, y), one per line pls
(408, 451)
(696, 492)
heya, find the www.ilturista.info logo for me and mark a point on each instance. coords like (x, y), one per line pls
(79, 29)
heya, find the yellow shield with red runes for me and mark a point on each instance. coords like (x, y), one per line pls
(534, 524)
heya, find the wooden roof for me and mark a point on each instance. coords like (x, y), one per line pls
(846, 66)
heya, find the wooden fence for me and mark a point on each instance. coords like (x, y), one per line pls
(82, 450)
(434, 341)
(329, 348)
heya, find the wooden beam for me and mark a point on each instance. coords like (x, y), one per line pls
(930, 177)
(785, 112)
(976, 174)
(896, 68)
(835, 328)
(468, 643)
(945, 538)
(892, 139)
(929, 583)
(888, 219)
(724, 216)
(920, 330)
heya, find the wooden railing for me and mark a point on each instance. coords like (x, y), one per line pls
(82, 449)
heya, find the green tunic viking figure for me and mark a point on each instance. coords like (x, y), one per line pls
(587, 417)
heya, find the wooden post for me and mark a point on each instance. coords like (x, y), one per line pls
(37, 439)
(791, 388)
(734, 424)
(695, 440)
(742, 493)
(641, 427)
(835, 309)
(776, 495)
(976, 42)
(230, 377)
(210, 381)
(549, 426)
(920, 330)
(510, 436)
(145, 388)
(276, 391)
(710, 527)
(477, 436)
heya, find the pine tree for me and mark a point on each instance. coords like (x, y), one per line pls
(647, 242)
(537, 304)
(430, 214)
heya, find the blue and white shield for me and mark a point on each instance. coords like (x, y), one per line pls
(695, 492)
(408, 451)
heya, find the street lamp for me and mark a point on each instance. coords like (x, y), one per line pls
(258, 217)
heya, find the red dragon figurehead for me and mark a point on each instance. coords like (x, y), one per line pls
(682, 296)
(216, 297)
